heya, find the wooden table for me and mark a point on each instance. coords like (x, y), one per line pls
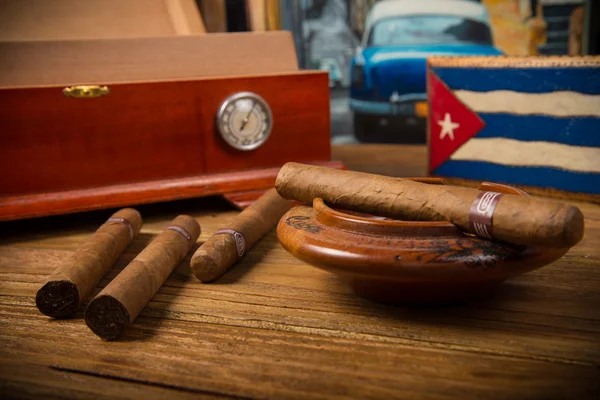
(274, 327)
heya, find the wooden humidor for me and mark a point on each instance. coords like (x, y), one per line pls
(152, 137)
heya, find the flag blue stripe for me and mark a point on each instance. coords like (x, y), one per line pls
(583, 131)
(528, 80)
(531, 176)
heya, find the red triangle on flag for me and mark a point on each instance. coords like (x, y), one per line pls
(451, 123)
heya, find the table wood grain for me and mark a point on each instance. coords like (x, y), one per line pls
(274, 327)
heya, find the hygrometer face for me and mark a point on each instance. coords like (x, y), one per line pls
(244, 120)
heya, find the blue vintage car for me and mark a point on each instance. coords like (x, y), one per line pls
(388, 69)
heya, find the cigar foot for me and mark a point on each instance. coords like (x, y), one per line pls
(205, 267)
(58, 299)
(106, 317)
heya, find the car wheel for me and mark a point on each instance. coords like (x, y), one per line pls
(363, 125)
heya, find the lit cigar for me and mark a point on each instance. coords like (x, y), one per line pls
(223, 249)
(74, 281)
(510, 218)
(123, 299)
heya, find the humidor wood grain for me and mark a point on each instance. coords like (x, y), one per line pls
(153, 137)
(274, 327)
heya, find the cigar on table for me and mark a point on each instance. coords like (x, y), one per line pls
(120, 302)
(74, 281)
(223, 249)
(520, 220)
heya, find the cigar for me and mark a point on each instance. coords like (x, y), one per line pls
(74, 281)
(520, 220)
(119, 303)
(223, 249)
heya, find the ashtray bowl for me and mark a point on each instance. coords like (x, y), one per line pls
(406, 262)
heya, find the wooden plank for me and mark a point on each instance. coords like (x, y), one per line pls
(274, 327)
(273, 15)
(256, 15)
(308, 297)
(263, 15)
(28, 380)
(233, 361)
(392, 160)
(185, 17)
(555, 337)
(214, 14)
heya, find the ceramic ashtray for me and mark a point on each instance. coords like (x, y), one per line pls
(397, 262)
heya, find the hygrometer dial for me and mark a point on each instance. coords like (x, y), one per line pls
(244, 120)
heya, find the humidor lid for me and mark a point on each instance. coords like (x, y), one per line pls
(71, 19)
(104, 61)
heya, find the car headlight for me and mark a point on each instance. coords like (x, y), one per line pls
(357, 76)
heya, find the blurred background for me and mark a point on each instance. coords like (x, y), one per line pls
(374, 53)
(332, 30)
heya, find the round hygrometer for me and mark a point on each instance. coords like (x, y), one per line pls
(244, 120)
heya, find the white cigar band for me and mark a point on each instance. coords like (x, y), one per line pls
(119, 220)
(180, 230)
(238, 238)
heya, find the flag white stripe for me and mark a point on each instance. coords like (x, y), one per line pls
(540, 154)
(557, 104)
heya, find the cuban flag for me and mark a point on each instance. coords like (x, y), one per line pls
(517, 121)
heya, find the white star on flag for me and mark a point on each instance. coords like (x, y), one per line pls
(448, 127)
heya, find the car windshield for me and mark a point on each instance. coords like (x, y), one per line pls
(428, 29)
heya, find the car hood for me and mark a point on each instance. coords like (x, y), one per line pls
(401, 69)
(376, 55)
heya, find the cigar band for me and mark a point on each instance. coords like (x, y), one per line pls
(482, 213)
(180, 230)
(119, 220)
(240, 241)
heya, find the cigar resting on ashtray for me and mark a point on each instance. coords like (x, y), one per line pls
(120, 302)
(223, 249)
(74, 281)
(521, 220)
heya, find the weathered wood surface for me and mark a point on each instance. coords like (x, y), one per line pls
(274, 327)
